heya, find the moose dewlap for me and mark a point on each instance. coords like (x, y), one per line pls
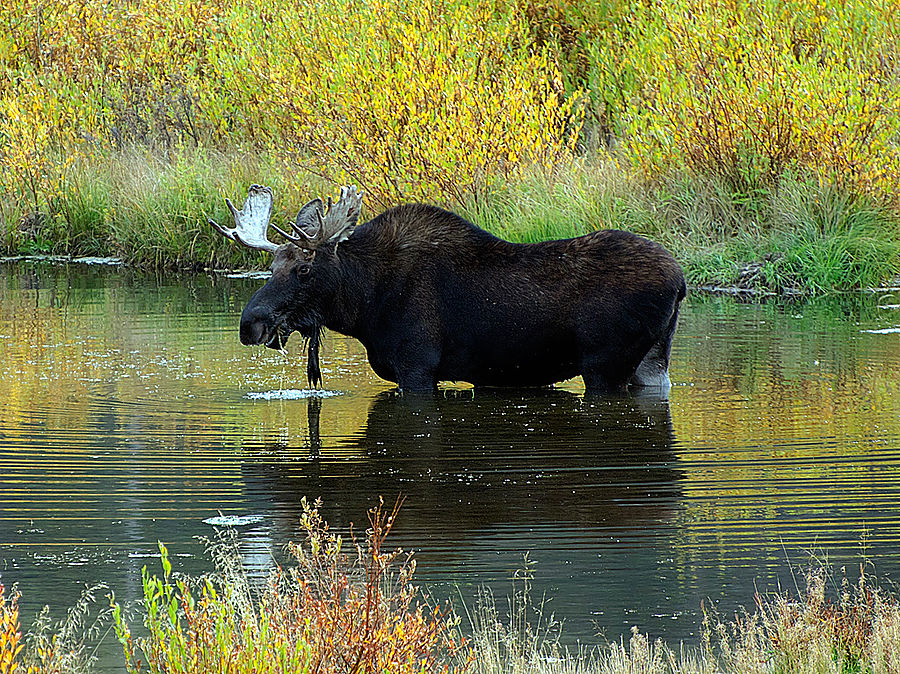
(434, 298)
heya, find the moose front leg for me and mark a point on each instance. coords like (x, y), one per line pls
(411, 369)
(417, 382)
(416, 366)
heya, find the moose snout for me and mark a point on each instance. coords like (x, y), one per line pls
(256, 324)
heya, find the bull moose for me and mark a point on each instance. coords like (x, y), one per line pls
(434, 298)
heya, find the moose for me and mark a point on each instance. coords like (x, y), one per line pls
(434, 298)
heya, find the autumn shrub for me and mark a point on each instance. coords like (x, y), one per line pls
(83, 78)
(411, 98)
(333, 610)
(749, 90)
(462, 103)
(736, 89)
(10, 634)
(439, 98)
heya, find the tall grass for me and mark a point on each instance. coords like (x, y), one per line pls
(152, 210)
(797, 235)
(334, 610)
(829, 626)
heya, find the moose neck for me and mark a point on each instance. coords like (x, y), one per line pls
(354, 283)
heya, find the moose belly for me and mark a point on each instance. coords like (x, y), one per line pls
(506, 363)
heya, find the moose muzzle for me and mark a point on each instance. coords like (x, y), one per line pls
(258, 326)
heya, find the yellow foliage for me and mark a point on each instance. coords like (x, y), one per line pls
(10, 636)
(411, 98)
(418, 97)
(748, 90)
(437, 99)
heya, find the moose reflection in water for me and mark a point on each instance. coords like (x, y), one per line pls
(467, 461)
(434, 298)
(586, 487)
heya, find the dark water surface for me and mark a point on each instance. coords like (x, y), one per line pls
(127, 416)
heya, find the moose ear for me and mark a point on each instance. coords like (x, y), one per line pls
(309, 219)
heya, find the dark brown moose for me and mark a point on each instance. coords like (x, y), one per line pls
(434, 298)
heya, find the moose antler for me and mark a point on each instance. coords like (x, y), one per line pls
(315, 228)
(251, 222)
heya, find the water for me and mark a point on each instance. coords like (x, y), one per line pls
(130, 414)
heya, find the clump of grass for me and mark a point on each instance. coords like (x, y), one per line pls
(843, 628)
(796, 235)
(151, 210)
(527, 637)
(333, 611)
(830, 626)
(527, 640)
(50, 647)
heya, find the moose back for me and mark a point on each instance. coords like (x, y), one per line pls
(434, 298)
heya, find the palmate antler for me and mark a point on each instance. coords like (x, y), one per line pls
(313, 227)
(251, 222)
(335, 224)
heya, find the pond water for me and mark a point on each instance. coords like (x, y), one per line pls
(131, 414)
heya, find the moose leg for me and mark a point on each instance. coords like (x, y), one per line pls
(596, 383)
(609, 357)
(653, 371)
(416, 366)
(416, 382)
(603, 375)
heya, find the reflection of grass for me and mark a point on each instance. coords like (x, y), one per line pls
(359, 612)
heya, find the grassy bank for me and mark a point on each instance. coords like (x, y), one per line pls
(796, 235)
(757, 140)
(351, 606)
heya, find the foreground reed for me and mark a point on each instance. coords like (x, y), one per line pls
(333, 611)
(354, 611)
(830, 626)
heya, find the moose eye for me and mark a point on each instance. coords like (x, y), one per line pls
(303, 269)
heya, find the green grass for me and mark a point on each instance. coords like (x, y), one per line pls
(152, 211)
(796, 236)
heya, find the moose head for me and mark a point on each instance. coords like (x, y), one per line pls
(304, 270)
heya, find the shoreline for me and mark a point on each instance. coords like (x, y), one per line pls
(796, 239)
(250, 273)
